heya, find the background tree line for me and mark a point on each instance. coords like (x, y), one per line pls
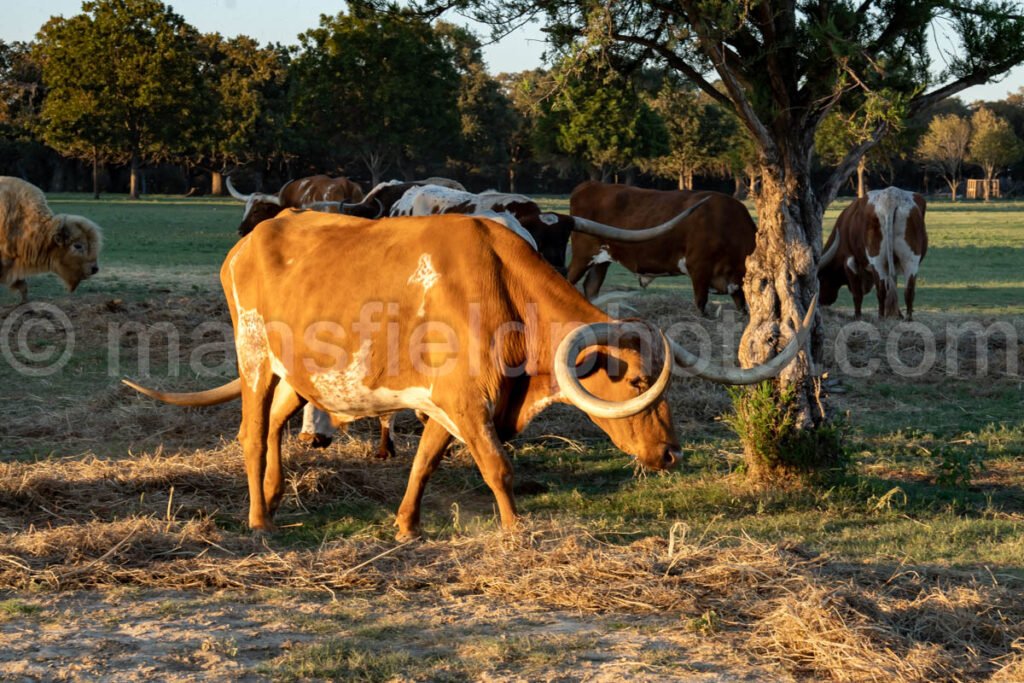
(127, 96)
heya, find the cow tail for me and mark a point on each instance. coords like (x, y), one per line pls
(210, 397)
(889, 238)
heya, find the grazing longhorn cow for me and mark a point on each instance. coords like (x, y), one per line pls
(711, 248)
(876, 238)
(454, 316)
(295, 194)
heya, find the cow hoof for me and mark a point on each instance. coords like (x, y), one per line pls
(315, 440)
(407, 535)
(386, 451)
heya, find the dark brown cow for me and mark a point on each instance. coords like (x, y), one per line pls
(711, 247)
(500, 337)
(876, 238)
(295, 194)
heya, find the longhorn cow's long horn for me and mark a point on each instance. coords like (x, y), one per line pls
(610, 232)
(748, 375)
(259, 196)
(210, 397)
(569, 383)
(380, 206)
(235, 193)
(827, 257)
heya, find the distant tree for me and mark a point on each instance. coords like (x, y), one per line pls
(993, 144)
(698, 133)
(122, 82)
(244, 97)
(600, 119)
(21, 88)
(524, 96)
(944, 147)
(377, 86)
(843, 130)
(487, 116)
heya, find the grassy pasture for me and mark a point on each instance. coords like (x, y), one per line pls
(133, 512)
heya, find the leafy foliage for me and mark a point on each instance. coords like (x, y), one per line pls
(944, 147)
(121, 81)
(993, 143)
(375, 86)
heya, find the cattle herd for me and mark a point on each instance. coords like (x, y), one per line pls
(420, 295)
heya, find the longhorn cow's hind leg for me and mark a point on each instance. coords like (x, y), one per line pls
(317, 429)
(433, 445)
(908, 295)
(701, 287)
(594, 280)
(284, 404)
(256, 402)
(386, 447)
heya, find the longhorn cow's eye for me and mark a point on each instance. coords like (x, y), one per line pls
(640, 384)
(79, 247)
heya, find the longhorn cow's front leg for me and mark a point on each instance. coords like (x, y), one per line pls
(482, 439)
(432, 446)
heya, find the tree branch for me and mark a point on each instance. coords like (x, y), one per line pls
(847, 166)
(922, 102)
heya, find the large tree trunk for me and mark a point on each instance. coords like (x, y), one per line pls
(95, 175)
(217, 183)
(133, 183)
(780, 282)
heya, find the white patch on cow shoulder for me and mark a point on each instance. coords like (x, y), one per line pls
(851, 263)
(682, 266)
(603, 256)
(427, 277)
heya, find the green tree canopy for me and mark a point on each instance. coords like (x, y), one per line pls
(244, 115)
(993, 144)
(375, 86)
(944, 147)
(598, 118)
(699, 131)
(121, 80)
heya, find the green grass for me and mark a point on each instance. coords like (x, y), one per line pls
(892, 507)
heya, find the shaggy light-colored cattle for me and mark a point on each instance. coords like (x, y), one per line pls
(35, 240)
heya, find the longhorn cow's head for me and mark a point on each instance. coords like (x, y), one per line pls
(258, 207)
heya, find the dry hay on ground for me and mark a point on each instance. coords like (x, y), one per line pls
(74, 524)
